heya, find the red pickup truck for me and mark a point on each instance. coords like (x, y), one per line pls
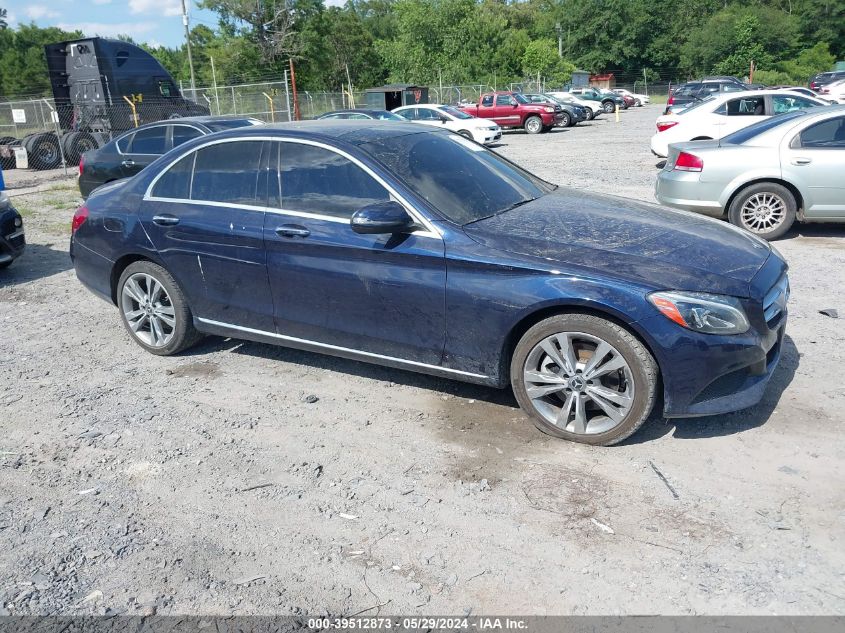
(512, 110)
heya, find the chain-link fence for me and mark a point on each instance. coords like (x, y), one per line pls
(52, 133)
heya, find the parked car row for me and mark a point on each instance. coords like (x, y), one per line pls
(766, 175)
(722, 113)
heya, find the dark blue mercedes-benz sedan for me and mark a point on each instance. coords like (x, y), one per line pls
(421, 250)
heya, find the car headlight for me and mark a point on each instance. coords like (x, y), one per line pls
(549, 109)
(702, 312)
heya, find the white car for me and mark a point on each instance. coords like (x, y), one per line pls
(835, 90)
(450, 118)
(639, 100)
(723, 113)
(594, 108)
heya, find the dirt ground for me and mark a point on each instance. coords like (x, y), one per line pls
(212, 483)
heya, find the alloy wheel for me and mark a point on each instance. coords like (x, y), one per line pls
(763, 212)
(148, 310)
(579, 383)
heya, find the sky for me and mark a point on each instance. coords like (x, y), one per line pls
(157, 22)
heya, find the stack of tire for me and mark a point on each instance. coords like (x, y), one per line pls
(43, 151)
(8, 162)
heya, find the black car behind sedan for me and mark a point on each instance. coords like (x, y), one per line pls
(128, 154)
(12, 240)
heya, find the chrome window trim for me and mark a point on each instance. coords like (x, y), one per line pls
(338, 348)
(135, 131)
(430, 230)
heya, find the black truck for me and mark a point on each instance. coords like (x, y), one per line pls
(101, 88)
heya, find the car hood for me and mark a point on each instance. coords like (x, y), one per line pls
(589, 234)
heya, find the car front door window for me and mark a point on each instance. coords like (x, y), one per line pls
(333, 286)
(322, 182)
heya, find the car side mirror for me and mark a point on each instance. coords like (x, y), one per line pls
(382, 217)
(444, 119)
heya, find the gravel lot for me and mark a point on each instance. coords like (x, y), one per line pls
(209, 483)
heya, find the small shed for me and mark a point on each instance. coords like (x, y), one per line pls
(580, 78)
(606, 81)
(395, 95)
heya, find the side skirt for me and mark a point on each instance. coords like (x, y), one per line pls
(235, 331)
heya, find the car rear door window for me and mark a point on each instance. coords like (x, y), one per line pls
(184, 133)
(427, 114)
(410, 114)
(175, 183)
(828, 134)
(229, 172)
(123, 143)
(487, 101)
(747, 106)
(149, 141)
(320, 181)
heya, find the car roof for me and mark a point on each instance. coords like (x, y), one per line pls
(422, 105)
(356, 111)
(348, 131)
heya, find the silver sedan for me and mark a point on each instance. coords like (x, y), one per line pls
(765, 176)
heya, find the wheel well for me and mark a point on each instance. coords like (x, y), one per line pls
(532, 319)
(702, 138)
(799, 200)
(117, 270)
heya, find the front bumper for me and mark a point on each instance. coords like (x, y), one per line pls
(684, 190)
(12, 237)
(705, 374)
(492, 136)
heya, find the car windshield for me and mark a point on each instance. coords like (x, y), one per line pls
(520, 98)
(755, 129)
(228, 124)
(696, 105)
(463, 181)
(454, 112)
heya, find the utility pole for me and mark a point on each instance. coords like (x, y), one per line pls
(559, 31)
(188, 43)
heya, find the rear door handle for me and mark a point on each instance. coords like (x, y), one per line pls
(292, 230)
(128, 163)
(165, 220)
(801, 161)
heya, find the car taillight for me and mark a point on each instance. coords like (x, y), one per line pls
(665, 125)
(81, 164)
(79, 219)
(671, 100)
(688, 162)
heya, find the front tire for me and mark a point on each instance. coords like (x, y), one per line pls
(533, 125)
(154, 309)
(638, 103)
(565, 120)
(466, 134)
(584, 378)
(766, 209)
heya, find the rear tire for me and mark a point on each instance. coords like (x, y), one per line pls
(569, 396)
(766, 209)
(608, 107)
(154, 310)
(533, 125)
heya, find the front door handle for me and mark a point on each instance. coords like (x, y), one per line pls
(165, 220)
(292, 230)
(128, 163)
(801, 161)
